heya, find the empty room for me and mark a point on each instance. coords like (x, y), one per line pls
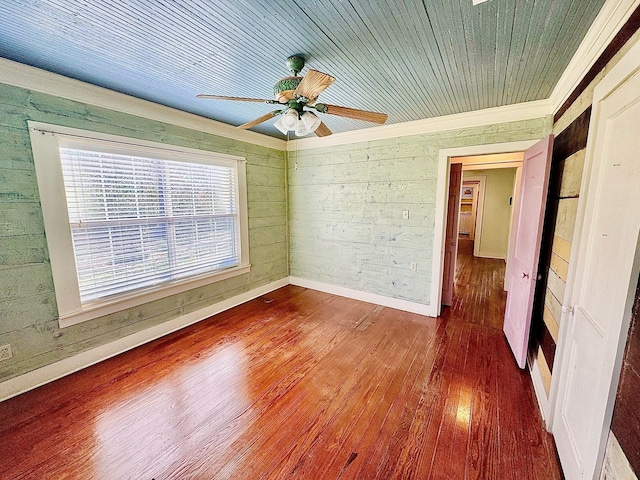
(319, 239)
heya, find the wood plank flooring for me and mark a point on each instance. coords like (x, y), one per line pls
(479, 295)
(297, 384)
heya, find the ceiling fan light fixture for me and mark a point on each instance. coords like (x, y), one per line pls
(279, 125)
(290, 119)
(302, 129)
(311, 121)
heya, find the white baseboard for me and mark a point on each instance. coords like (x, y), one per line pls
(541, 394)
(616, 464)
(396, 303)
(66, 366)
(48, 373)
(494, 256)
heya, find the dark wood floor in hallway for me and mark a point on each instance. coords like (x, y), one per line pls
(299, 384)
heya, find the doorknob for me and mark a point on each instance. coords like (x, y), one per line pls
(524, 275)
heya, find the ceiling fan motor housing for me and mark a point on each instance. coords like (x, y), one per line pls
(295, 63)
(284, 88)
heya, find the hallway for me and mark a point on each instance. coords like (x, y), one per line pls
(479, 295)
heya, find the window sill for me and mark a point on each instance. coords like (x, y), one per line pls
(118, 303)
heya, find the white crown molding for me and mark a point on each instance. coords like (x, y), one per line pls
(476, 118)
(49, 373)
(368, 297)
(610, 20)
(31, 78)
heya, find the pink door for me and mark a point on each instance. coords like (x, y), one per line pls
(523, 270)
(451, 236)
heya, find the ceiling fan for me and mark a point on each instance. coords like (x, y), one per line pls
(297, 96)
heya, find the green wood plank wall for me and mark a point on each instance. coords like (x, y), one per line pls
(346, 203)
(28, 315)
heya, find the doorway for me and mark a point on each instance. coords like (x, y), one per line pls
(468, 215)
(479, 237)
(471, 158)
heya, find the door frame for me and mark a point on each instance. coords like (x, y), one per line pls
(442, 189)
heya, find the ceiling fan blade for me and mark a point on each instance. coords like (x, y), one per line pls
(354, 113)
(239, 99)
(322, 130)
(313, 84)
(261, 119)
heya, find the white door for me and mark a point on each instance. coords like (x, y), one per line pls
(604, 271)
(523, 260)
(515, 212)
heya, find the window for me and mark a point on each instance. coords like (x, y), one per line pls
(130, 221)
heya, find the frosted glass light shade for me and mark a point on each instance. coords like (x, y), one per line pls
(278, 124)
(302, 129)
(311, 121)
(290, 119)
(302, 125)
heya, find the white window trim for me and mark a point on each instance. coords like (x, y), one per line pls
(45, 147)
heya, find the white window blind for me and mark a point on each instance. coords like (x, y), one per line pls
(139, 222)
(131, 221)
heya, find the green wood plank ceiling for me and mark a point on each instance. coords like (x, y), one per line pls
(410, 59)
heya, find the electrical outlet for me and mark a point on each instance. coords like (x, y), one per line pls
(5, 352)
(414, 266)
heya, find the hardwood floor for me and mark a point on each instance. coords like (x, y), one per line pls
(297, 384)
(479, 295)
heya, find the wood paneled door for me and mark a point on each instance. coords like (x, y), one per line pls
(523, 257)
(451, 236)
